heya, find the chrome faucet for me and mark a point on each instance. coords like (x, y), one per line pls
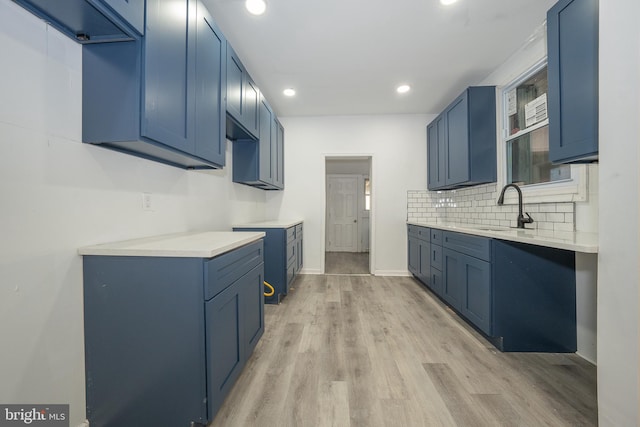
(521, 219)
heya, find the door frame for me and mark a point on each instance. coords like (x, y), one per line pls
(372, 223)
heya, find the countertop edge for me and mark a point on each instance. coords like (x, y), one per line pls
(270, 224)
(112, 249)
(587, 246)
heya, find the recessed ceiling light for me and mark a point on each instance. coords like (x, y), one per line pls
(289, 92)
(447, 2)
(255, 7)
(403, 88)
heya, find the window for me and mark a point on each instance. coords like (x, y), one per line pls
(527, 130)
(367, 194)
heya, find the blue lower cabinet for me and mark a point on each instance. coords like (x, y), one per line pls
(283, 257)
(534, 298)
(163, 344)
(419, 251)
(520, 297)
(237, 316)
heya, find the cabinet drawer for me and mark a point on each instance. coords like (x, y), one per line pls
(436, 236)
(418, 232)
(299, 231)
(436, 257)
(222, 271)
(475, 246)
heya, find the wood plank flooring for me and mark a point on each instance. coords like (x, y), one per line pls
(379, 351)
(346, 262)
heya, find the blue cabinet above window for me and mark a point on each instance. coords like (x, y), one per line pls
(91, 21)
(572, 45)
(461, 142)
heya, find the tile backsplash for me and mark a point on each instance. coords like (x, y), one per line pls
(477, 205)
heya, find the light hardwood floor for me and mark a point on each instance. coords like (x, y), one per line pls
(346, 263)
(378, 351)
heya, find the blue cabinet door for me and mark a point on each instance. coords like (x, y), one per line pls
(250, 115)
(299, 245)
(475, 276)
(235, 84)
(252, 299)
(414, 256)
(277, 158)
(210, 121)
(168, 89)
(435, 283)
(224, 339)
(264, 143)
(572, 44)
(457, 147)
(452, 282)
(436, 153)
(425, 262)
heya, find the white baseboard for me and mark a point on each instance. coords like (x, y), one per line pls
(392, 273)
(310, 271)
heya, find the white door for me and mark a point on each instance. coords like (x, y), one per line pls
(342, 213)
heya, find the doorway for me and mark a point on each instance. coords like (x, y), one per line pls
(348, 209)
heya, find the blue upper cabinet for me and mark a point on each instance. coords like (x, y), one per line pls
(461, 142)
(91, 21)
(162, 96)
(261, 163)
(572, 45)
(243, 99)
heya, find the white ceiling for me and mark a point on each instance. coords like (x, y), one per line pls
(348, 56)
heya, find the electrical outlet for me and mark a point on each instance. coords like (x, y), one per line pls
(146, 202)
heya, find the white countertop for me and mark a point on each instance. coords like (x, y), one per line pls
(194, 244)
(572, 241)
(276, 223)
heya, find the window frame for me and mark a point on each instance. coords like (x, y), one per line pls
(567, 190)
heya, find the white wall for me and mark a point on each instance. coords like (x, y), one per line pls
(397, 145)
(57, 194)
(619, 256)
